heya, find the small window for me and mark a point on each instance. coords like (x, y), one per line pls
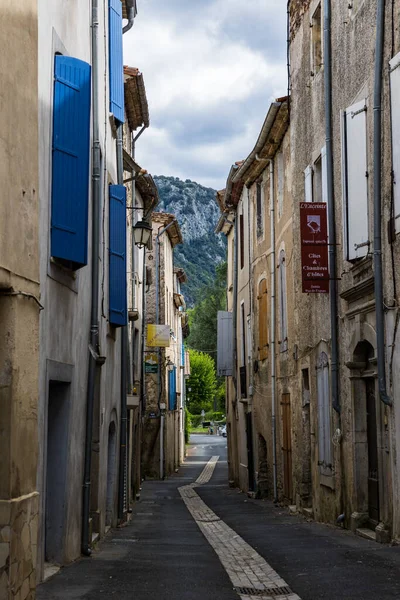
(324, 416)
(305, 377)
(263, 319)
(241, 234)
(260, 209)
(317, 181)
(317, 40)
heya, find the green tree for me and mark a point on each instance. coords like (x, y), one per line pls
(203, 317)
(202, 384)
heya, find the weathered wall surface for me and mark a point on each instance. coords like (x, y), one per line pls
(19, 314)
(66, 295)
(168, 314)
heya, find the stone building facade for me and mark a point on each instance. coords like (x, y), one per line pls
(163, 432)
(20, 302)
(339, 445)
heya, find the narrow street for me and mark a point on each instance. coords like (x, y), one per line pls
(193, 538)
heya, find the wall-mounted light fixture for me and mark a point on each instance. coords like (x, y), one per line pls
(141, 233)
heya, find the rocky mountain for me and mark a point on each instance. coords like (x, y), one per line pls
(197, 213)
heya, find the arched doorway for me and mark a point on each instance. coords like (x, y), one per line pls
(111, 473)
(366, 459)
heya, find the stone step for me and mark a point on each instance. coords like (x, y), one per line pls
(366, 533)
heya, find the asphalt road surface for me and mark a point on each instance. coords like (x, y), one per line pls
(189, 541)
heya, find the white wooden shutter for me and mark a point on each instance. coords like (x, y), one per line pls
(395, 117)
(324, 416)
(308, 195)
(357, 181)
(225, 344)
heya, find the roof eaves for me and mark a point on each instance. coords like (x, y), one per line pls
(267, 144)
(136, 105)
(174, 232)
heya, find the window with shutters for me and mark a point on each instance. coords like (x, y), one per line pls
(355, 181)
(324, 416)
(283, 302)
(117, 256)
(242, 370)
(395, 122)
(316, 40)
(241, 234)
(260, 209)
(116, 65)
(315, 180)
(225, 344)
(263, 319)
(172, 389)
(70, 161)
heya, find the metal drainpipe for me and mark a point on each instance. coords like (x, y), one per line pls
(95, 360)
(380, 320)
(331, 207)
(159, 352)
(272, 330)
(130, 9)
(124, 358)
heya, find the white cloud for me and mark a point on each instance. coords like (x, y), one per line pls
(202, 79)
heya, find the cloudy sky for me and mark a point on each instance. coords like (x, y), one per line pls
(211, 69)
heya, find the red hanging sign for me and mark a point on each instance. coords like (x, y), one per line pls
(314, 248)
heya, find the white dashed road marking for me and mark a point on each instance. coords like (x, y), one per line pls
(251, 575)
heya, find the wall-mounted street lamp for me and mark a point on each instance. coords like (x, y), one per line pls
(141, 233)
(170, 365)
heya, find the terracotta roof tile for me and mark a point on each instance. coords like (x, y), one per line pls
(136, 106)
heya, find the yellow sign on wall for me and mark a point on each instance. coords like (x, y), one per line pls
(158, 336)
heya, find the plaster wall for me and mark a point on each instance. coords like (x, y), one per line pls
(19, 314)
(65, 28)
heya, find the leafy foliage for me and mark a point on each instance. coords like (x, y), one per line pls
(203, 317)
(202, 383)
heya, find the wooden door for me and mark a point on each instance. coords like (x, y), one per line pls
(373, 473)
(287, 447)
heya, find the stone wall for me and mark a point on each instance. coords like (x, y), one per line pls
(18, 547)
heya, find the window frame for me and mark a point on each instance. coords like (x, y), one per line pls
(324, 416)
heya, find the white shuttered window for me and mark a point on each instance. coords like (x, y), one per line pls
(324, 416)
(308, 195)
(395, 117)
(356, 181)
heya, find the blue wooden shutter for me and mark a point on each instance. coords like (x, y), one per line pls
(70, 167)
(117, 256)
(172, 389)
(116, 59)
